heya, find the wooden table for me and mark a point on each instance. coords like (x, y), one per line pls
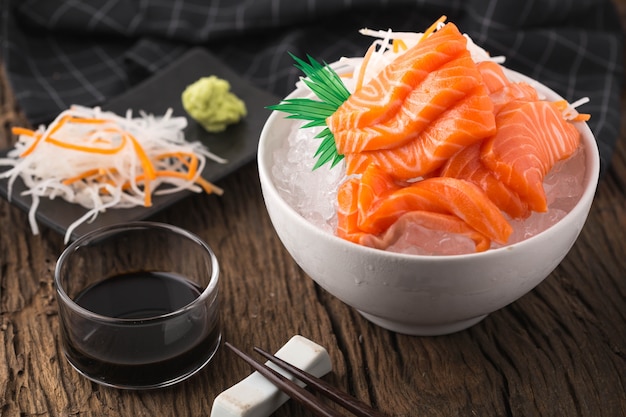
(558, 351)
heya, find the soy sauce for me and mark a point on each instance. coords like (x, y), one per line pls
(138, 295)
(141, 350)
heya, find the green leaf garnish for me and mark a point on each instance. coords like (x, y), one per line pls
(331, 92)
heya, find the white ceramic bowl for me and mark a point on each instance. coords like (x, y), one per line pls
(421, 295)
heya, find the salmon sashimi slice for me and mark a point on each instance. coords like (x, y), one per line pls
(382, 201)
(445, 223)
(438, 142)
(466, 165)
(493, 75)
(501, 89)
(519, 91)
(381, 97)
(443, 195)
(356, 197)
(467, 122)
(531, 138)
(347, 211)
(347, 223)
(375, 186)
(441, 89)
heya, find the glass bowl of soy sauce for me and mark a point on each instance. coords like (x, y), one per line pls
(138, 305)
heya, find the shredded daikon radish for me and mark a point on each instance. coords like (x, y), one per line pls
(101, 160)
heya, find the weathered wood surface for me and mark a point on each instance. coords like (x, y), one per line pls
(558, 351)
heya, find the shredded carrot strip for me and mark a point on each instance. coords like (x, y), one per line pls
(146, 163)
(398, 44)
(106, 130)
(186, 158)
(189, 160)
(147, 199)
(148, 169)
(366, 58)
(87, 120)
(562, 105)
(102, 169)
(32, 147)
(27, 132)
(23, 131)
(170, 173)
(106, 151)
(433, 27)
(192, 167)
(209, 187)
(98, 175)
(126, 185)
(82, 176)
(62, 121)
(178, 155)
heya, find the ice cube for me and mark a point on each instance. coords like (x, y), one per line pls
(313, 194)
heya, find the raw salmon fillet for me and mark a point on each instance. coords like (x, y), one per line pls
(439, 142)
(347, 218)
(466, 164)
(382, 120)
(467, 122)
(379, 99)
(493, 75)
(348, 211)
(531, 138)
(440, 89)
(501, 90)
(442, 195)
(373, 203)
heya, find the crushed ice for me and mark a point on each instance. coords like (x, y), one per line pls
(313, 195)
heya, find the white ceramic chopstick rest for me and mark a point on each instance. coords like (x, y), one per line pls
(255, 396)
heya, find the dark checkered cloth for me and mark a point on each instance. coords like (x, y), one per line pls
(61, 52)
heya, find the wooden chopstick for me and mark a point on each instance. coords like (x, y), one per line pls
(357, 407)
(287, 386)
(300, 394)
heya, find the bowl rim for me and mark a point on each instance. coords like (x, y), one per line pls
(590, 182)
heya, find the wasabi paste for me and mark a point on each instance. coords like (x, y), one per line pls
(210, 102)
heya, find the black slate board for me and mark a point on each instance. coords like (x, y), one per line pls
(238, 143)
